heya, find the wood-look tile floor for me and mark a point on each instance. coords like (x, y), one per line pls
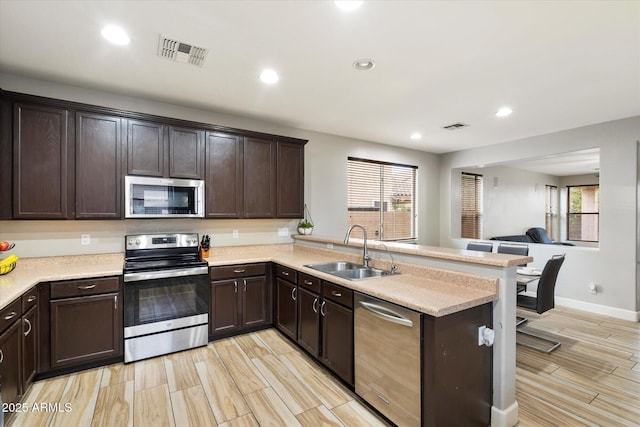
(592, 379)
(256, 379)
(261, 379)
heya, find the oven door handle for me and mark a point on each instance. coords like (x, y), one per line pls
(136, 277)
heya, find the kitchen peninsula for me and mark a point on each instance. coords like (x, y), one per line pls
(434, 281)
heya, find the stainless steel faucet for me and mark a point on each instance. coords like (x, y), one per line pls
(365, 251)
(394, 267)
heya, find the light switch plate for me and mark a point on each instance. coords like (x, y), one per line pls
(235, 234)
(283, 231)
(85, 239)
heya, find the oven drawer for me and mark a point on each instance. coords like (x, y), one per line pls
(73, 288)
(240, 270)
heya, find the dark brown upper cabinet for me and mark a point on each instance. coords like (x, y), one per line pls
(259, 178)
(42, 162)
(99, 157)
(6, 158)
(145, 148)
(290, 180)
(223, 175)
(186, 153)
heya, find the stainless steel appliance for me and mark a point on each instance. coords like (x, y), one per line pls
(387, 358)
(150, 197)
(166, 295)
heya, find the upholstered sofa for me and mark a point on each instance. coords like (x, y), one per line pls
(533, 235)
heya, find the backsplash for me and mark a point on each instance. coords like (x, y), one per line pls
(54, 238)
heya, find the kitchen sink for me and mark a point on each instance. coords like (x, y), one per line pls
(348, 270)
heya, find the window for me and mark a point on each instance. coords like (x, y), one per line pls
(551, 211)
(471, 209)
(382, 198)
(584, 211)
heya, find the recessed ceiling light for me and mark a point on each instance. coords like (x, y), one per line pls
(269, 76)
(115, 35)
(348, 5)
(416, 136)
(504, 112)
(364, 64)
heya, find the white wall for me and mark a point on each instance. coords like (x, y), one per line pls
(512, 206)
(613, 265)
(325, 183)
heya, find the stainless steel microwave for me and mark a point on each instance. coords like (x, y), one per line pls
(148, 197)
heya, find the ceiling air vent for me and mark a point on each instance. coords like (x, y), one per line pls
(181, 52)
(455, 126)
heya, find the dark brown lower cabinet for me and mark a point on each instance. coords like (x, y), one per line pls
(85, 329)
(286, 308)
(337, 339)
(309, 321)
(457, 375)
(29, 347)
(237, 304)
(10, 356)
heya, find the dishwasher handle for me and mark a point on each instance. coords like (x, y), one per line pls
(386, 314)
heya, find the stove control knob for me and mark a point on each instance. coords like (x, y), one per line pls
(137, 242)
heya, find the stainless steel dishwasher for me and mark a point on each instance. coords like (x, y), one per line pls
(387, 358)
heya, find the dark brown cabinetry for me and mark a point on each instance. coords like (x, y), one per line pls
(259, 178)
(18, 346)
(10, 352)
(42, 162)
(238, 299)
(223, 171)
(99, 158)
(457, 373)
(186, 153)
(86, 321)
(318, 315)
(290, 180)
(145, 148)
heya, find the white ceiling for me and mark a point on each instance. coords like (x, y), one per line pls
(566, 164)
(558, 64)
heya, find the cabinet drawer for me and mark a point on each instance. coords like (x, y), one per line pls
(337, 293)
(29, 299)
(10, 314)
(287, 274)
(309, 282)
(74, 288)
(240, 270)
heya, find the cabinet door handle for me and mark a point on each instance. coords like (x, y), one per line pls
(284, 273)
(315, 305)
(87, 287)
(244, 281)
(235, 286)
(239, 271)
(1, 356)
(31, 298)
(115, 302)
(336, 294)
(10, 315)
(308, 282)
(294, 293)
(324, 313)
(29, 324)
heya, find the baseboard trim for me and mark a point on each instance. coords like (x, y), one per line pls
(504, 417)
(618, 313)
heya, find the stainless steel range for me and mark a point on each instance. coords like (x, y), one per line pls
(166, 295)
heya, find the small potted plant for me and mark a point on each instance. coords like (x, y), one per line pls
(305, 226)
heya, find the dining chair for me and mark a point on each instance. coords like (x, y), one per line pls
(544, 299)
(514, 249)
(480, 246)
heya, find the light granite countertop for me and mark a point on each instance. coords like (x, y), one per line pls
(432, 291)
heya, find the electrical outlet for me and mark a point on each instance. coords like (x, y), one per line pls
(85, 239)
(235, 234)
(329, 245)
(593, 288)
(283, 231)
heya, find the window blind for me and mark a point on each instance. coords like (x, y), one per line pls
(381, 197)
(551, 211)
(471, 205)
